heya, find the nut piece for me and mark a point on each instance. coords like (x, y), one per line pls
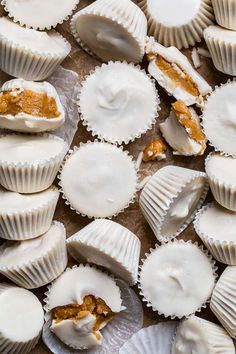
(155, 151)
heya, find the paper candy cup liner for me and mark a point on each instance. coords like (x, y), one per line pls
(160, 193)
(31, 177)
(42, 270)
(110, 245)
(225, 13)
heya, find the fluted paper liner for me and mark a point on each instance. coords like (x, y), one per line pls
(225, 13)
(6, 345)
(223, 192)
(135, 135)
(125, 14)
(222, 251)
(32, 177)
(36, 26)
(43, 269)
(110, 245)
(31, 65)
(223, 300)
(76, 148)
(153, 339)
(222, 53)
(183, 36)
(28, 223)
(217, 338)
(149, 304)
(160, 192)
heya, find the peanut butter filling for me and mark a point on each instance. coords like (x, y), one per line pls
(26, 101)
(153, 150)
(176, 74)
(90, 305)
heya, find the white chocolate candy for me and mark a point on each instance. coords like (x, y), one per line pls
(182, 66)
(71, 288)
(125, 102)
(39, 15)
(21, 320)
(99, 179)
(199, 336)
(25, 122)
(177, 279)
(114, 30)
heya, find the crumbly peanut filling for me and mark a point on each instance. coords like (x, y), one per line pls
(154, 149)
(92, 305)
(176, 74)
(189, 122)
(17, 101)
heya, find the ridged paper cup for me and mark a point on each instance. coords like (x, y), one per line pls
(7, 345)
(144, 289)
(223, 300)
(172, 30)
(216, 339)
(44, 17)
(121, 16)
(22, 61)
(164, 193)
(107, 203)
(108, 244)
(40, 270)
(222, 47)
(117, 132)
(225, 13)
(153, 339)
(222, 250)
(32, 177)
(27, 223)
(223, 192)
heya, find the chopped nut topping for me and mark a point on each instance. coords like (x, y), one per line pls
(92, 305)
(26, 101)
(155, 150)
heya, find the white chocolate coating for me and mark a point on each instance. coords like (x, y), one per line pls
(12, 202)
(32, 40)
(24, 122)
(177, 279)
(183, 206)
(223, 168)
(40, 14)
(18, 253)
(221, 34)
(173, 55)
(218, 223)
(177, 137)
(219, 118)
(182, 11)
(29, 148)
(99, 179)
(124, 102)
(21, 315)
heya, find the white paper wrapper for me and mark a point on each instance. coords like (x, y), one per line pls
(27, 224)
(116, 332)
(222, 251)
(225, 13)
(42, 270)
(154, 339)
(108, 244)
(223, 300)
(160, 193)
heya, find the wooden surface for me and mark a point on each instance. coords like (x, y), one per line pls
(132, 218)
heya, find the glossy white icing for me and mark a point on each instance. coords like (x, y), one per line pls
(15, 202)
(29, 148)
(177, 279)
(21, 315)
(99, 179)
(18, 253)
(124, 102)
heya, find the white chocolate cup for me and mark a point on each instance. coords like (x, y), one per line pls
(225, 13)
